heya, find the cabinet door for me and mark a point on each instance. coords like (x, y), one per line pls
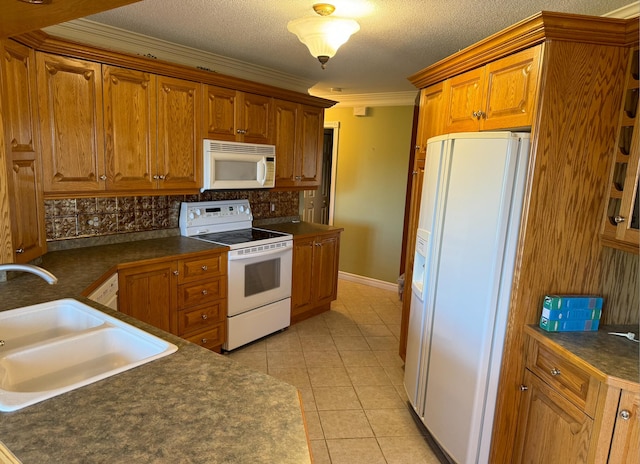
(220, 116)
(179, 141)
(510, 88)
(625, 445)
(285, 121)
(464, 101)
(310, 160)
(70, 115)
(130, 128)
(550, 427)
(325, 257)
(430, 119)
(302, 283)
(25, 189)
(148, 293)
(414, 216)
(254, 121)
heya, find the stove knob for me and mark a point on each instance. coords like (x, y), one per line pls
(241, 208)
(198, 212)
(191, 216)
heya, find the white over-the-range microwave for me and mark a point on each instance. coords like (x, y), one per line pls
(238, 165)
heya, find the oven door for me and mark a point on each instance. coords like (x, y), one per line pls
(259, 278)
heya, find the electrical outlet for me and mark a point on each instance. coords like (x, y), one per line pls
(272, 207)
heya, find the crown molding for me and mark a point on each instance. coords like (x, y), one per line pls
(371, 99)
(92, 33)
(626, 12)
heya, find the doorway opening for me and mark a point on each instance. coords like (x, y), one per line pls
(318, 205)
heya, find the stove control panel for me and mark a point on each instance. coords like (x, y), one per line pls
(214, 216)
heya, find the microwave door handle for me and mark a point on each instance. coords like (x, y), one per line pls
(262, 178)
(260, 254)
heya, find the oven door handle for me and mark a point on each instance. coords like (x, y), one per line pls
(259, 254)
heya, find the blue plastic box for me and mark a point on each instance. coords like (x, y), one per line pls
(572, 302)
(569, 325)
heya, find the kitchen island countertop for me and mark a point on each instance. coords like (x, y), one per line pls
(193, 406)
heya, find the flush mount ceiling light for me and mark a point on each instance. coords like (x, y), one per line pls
(323, 34)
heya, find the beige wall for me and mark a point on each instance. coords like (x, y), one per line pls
(371, 178)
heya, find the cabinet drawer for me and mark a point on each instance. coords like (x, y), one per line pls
(210, 338)
(199, 268)
(193, 320)
(565, 376)
(201, 292)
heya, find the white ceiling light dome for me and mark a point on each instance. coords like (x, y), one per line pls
(323, 34)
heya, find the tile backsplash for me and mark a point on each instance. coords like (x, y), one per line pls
(92, 217)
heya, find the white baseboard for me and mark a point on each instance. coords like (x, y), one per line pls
(368, 281)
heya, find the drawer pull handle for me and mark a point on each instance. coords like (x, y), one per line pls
(204, 317)
(204, 268)
(524, 388)
(555, 371)
(204, 292)
(624, 414)
(204, 341)
(176, 273)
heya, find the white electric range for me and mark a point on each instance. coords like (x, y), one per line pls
(259, 267)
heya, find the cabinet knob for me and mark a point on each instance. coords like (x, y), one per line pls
(204, 341)
(415, 173)
(204, 292)
(624, 414)
(204, 317)
(204, 268)
(155, 177)
(555, 371)
(161, 177)
(241, 131)
(417, 147)
(175, 273)
(103, 177)
(619, 219)
(20, 250)
(523, 388)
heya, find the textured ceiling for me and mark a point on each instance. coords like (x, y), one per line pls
(397, 37)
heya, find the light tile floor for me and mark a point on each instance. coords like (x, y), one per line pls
(346, 364)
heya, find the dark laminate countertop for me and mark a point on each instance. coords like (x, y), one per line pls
(301, 229)
(193, 406)
(616, 358)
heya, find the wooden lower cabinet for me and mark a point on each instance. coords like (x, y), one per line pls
(570, 413)
(148, 293)
(315, 274)
(186, 297)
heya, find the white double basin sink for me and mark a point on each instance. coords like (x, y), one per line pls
(55, 347)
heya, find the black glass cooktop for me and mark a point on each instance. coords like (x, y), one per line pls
(236, 237)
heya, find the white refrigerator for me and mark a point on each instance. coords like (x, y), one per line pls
(463, 269)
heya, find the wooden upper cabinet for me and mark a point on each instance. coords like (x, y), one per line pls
(312, 139)
(237, 116)
(130, 128)
(430, 119)
(21, 136)
(70, 116)
(298, 137)
(499, 95)
(179, 141)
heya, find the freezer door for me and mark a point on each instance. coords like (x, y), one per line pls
(418, 341)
